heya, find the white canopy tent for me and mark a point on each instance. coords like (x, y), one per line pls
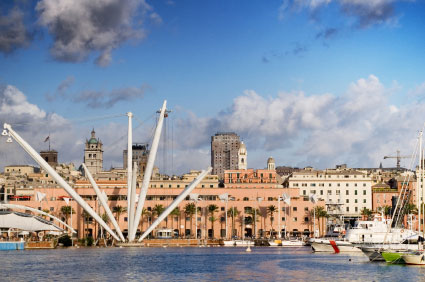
(26, 222)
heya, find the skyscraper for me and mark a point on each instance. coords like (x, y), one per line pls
(224, 152)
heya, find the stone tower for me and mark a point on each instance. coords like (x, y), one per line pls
(93, 154)
(271, 165)
(242, 155)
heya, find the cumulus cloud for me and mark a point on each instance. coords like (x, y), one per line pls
(358, 127)
(13, 33)
(103, 99)
(80, 27)
(366, 12)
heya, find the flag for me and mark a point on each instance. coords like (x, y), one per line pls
(40, 196)
(313, 198)
(286, 199)
(193, 197)
(223, 197)
(47, 138)
(66, 201)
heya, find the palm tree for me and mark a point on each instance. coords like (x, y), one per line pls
(66, 211)
(271, 210)
(157, 210)
(367, 213)
(233, 212)
(189, 211)
(387, 211)
(144, 212)
(212, 209)
(320, 214)
(105, 218)
(87, 219)
(176, 212)
(254, 213)
(118, 210)
(411, 209)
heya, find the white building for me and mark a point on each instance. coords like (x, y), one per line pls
(346, 191)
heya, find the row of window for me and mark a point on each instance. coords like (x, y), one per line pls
(323, 184)
(337, 192)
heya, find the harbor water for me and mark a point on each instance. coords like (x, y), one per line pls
(197, 264)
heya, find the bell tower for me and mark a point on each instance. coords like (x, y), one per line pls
(93, 154)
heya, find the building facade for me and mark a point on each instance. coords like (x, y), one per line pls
(224, 152)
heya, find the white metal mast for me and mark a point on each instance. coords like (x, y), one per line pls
(176, 202)
(129, 171)
(103, 202)
(59, 179)
(148, 172)
(420, 182)
(133, 197)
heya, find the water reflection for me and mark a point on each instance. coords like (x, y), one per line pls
(200, 264)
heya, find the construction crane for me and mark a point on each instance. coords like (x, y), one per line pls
(398, 157)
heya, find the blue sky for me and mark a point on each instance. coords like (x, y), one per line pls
(279, 73)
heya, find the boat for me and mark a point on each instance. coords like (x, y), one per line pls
(416, 258)
(293, 243)
(374, 252)
(364, 232)
(237, 243)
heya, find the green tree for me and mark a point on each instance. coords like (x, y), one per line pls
(87, 219)
(387, 211)
(233, 213)
(366, 213)
(411, 209)
(270, 211)
(212, 209)
(321, 214)
(254, 213)
(189, 211)
(118, 210)
(66, 212)
(176, 213)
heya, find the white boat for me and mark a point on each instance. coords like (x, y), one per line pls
(365, 232)
(417, 258)
(373, 252)
(293, 243)
(238, 243)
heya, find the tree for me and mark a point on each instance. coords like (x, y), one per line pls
(157, 210)
(271, 210)
(366, 213)
(411, 209)
(46, 211)
(321, 213)
(66, 211)
(233, 213)
(254, 213)
(118, 210)
(176, 212)
(212, 209)
(189, 211)
(387, 211)
(87, 219)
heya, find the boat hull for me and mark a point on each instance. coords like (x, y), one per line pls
(415, 259)
(393, 257)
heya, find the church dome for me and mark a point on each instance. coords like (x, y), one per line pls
(270, 160)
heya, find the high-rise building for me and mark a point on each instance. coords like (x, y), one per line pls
(93, 154)
(224, 152)
(140, 156)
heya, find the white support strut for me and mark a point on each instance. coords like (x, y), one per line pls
(59, 179)
(11, 206)
(132, 210)
(176, 202)
(129, 170)
(103, 202)
(148, 171)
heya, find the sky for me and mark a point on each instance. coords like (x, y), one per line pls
(309, 82)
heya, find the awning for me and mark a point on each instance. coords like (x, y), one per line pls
(26, 222)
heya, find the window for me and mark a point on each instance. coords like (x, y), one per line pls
(347, 192)
(355, 192)
(330, 184)
(294, 219)
(313, 184)
(364, 192)
(270, 199)
(339, 184)
(356, 209)
(338, 192)
(294, 208)
(364, 184)
(283, 218)
(347, 201)
(321, 192)
(304, 192)
(222, 208)
(347, 209)
(306, 219)
(355, 184)
(364, 201)
(355, 201)
(346, 184)
(306, 208)
(329, 192)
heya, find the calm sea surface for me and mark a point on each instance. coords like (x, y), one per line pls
(197, 264)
